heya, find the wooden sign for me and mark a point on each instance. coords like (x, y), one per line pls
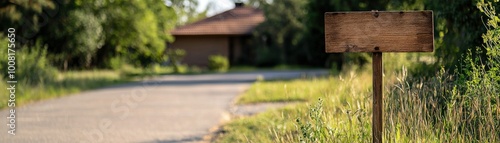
(378, 32)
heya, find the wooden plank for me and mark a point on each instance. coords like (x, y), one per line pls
(379, 32)
(377, 98)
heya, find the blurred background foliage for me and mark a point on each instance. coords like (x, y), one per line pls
(296, 29)
(86, 34)
(83, 34)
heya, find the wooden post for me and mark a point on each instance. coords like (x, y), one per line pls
(377, 32)
(377, 123)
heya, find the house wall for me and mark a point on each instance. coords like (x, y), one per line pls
(199, 48)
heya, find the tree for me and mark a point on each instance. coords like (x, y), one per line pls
(27, 17)
(186, 10)
(296, 29)
(459, 27)
(136, 30)
(315, 40)
(84, 33)
(281, 32)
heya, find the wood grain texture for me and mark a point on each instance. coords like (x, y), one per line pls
(379, 32)
(377, 122)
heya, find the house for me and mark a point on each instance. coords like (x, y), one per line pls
(227, 34)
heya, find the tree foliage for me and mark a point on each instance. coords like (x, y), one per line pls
(315, 25)
(27, 17)
(459, 27)
(186, 10)
(281, 32)
(295, 28)
(137, 30)
(88, 33)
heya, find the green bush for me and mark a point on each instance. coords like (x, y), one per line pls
(315, 128)
(116, 63)
(195, 69)
(32, 66)
(175, 57)
(218, 63)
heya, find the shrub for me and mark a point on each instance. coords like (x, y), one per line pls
(315, 128)
(195, 69)
(218, 63)
(116, 63)
(32, 66)
(175, 56)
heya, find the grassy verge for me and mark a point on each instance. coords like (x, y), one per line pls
(344, 114)
(305, 89)
(64, 84)
(463, 106)
(433, 109)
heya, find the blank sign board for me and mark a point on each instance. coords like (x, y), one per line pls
(379, 32)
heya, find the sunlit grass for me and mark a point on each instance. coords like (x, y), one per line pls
(430, 109)
(70, 82)
(282, 91)
(64, 84)
(346, 108)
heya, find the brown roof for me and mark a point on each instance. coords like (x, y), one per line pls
(237, 21)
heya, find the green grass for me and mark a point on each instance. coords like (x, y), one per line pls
(64, 84)
(279, 91)
(432, 109)
(305, 89)
(460, 107)
(346, 101)
(67, 83)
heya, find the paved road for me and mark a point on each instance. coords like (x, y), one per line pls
(166, 109)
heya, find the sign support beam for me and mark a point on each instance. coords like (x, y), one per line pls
(377, 97)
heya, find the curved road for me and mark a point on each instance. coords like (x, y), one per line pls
(165, 109)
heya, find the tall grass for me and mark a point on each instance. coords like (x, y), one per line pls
(431, 109)
(459, 107)
(344, 107)
(464, 107)
(437, 110)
